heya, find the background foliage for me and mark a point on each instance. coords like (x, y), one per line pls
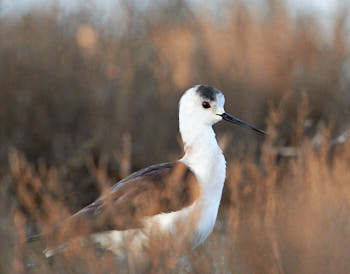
(76, 91)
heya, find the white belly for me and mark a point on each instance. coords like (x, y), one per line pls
(192, 224)
(137, 240)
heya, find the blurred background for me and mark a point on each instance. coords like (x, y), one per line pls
(97, 83)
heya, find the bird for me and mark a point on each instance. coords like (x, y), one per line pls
(156, 199)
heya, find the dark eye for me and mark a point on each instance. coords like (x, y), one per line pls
(205, 104)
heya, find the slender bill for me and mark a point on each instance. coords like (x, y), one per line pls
(228, 117)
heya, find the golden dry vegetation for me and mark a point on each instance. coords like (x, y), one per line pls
(85, 102)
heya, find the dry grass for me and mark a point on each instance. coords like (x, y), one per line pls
(84, 103)
(290, 217)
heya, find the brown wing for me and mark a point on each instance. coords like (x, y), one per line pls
(157, 189)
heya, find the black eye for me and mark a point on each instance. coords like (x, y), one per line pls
(205, 104)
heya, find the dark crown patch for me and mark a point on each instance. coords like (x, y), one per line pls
(207, 92)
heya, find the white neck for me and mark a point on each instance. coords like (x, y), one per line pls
(205, 158)
(198, 140)
(203, 154)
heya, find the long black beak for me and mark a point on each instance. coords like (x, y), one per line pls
(228, 117)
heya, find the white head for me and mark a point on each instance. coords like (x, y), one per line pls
(201, 107)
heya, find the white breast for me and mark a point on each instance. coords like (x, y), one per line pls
(210, 170)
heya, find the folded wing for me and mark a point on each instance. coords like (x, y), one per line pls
(161, 188)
